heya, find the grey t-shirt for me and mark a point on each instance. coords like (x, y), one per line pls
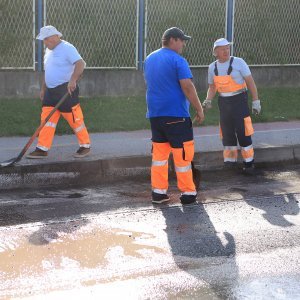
(239, 70)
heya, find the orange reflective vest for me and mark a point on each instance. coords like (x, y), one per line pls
(226, 86)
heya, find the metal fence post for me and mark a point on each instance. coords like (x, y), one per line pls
(33, 35)
(40, 43)
(141, 34)
(230, 22)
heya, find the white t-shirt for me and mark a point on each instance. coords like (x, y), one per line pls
(59, 64)
(240, 70)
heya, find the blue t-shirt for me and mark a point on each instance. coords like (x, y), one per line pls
(163, 69)
(59, 64)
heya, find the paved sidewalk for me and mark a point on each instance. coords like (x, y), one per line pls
(120, 154)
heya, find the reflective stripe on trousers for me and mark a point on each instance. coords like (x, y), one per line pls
(159, 191)
(183, 169)
(159, 163)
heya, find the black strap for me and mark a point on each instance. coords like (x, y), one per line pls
(216, 69)
(230, 66)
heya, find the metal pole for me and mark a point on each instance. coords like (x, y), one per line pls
(141, 34)
(137, 35)
(40, 43)
(145, 28)
(230, 22)
(33, 34)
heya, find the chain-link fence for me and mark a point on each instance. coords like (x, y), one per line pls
(17, 23)
(104, 32)
(266, 32)
(204, 20)
(112, 33)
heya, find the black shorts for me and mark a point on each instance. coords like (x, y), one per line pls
(175, 130)
(53, 95)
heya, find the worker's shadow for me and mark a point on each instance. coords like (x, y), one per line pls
(197, 246)
(61, 218)
(276, 208)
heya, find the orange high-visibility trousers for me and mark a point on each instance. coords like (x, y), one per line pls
(159, 168)
(182, 161)
(183, 158)
(75, 120)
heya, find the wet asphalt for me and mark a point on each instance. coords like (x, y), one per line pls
(239, 241)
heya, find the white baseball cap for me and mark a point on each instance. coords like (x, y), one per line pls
(220, 42)
(47, 31)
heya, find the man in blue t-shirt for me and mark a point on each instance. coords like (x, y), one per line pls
(63, 68)
(170, 91)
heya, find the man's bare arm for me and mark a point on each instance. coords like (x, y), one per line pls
(190, 92)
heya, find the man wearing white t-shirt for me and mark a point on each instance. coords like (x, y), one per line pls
(231, 77)
(63, 67)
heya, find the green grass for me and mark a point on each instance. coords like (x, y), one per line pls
(20, 117)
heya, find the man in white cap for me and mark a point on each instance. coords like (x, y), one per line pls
(231, 77)
(63, 67)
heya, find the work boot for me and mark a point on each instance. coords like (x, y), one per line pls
(82, 152)
(37, 153)
(228, 165)
(249, 170)
(159, 198)
(188, 199)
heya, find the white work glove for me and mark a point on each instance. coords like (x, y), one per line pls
(256, 108)
(207, 104)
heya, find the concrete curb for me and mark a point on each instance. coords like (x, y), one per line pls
(79, 173)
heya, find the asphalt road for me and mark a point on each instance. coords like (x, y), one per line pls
(240, 241)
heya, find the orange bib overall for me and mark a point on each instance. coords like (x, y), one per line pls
(235, 121)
